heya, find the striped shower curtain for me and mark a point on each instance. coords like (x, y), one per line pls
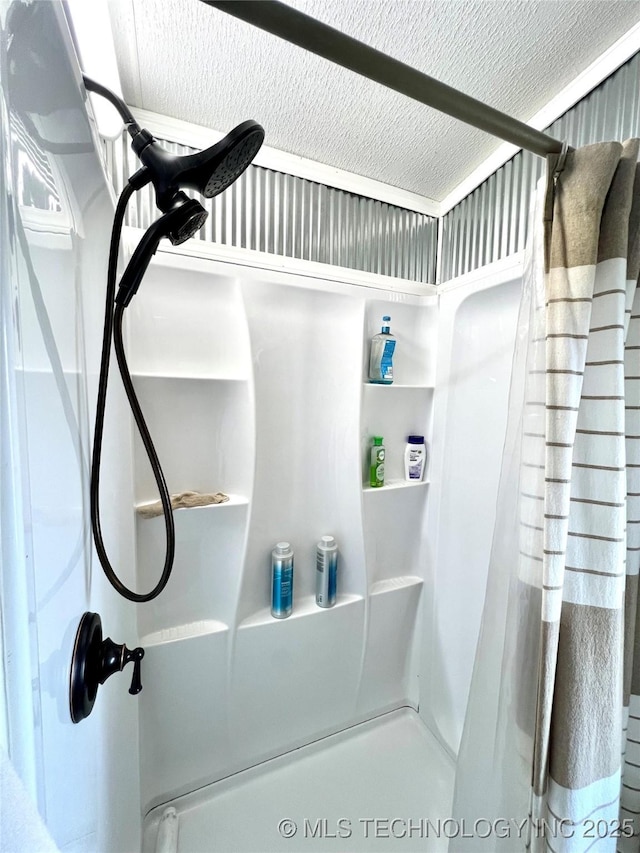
(589, 537)
(556, 686)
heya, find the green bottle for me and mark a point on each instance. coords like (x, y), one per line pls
(376, 467)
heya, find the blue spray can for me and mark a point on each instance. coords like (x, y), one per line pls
(282, 580)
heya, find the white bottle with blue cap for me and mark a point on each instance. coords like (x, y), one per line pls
(381, 359)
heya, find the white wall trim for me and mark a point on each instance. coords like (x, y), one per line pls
(198, 136)
(309, 270)
(615, 56)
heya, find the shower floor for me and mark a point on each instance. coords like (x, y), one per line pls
(379, 786)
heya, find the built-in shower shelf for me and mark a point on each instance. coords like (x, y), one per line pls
(234, 500)
(187, 377)
(305, 607)
(391, 584)
(201, 628)
(396, 484)
(418, 387)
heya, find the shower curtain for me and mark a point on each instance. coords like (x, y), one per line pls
(550, 754)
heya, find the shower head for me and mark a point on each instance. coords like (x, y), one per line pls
(209, 172)
(189, 218)
(179, 223)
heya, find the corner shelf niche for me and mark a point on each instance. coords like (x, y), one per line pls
(395, 484)
(394, 413)
(396, 386)
(393, 519)
(412, 326)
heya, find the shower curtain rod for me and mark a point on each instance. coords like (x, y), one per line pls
(303, 30)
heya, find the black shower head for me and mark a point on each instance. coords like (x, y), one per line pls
(188, 216)
(209, 172)
(179, 223)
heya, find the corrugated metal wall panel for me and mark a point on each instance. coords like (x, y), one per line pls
(281, 214)
(492, 223)
(270, 211)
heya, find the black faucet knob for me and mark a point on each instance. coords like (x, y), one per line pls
(136, 656)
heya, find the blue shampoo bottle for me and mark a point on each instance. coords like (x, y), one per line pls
(282, 580)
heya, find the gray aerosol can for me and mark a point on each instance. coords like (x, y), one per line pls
(326, 571)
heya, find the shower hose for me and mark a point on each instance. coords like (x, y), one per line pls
(113, 317)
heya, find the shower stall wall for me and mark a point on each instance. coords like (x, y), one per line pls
(254, 384)
(55, 238)
(477, 320)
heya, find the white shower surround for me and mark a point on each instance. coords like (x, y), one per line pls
(377, 615)
(477, 320)
(253, 383)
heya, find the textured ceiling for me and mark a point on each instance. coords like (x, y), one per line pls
(187, 60)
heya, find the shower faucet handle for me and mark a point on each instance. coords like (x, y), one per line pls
(94, 660)
(136, 656)
(114, 657)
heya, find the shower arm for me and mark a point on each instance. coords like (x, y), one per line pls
(325, 41)
(125, 113)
